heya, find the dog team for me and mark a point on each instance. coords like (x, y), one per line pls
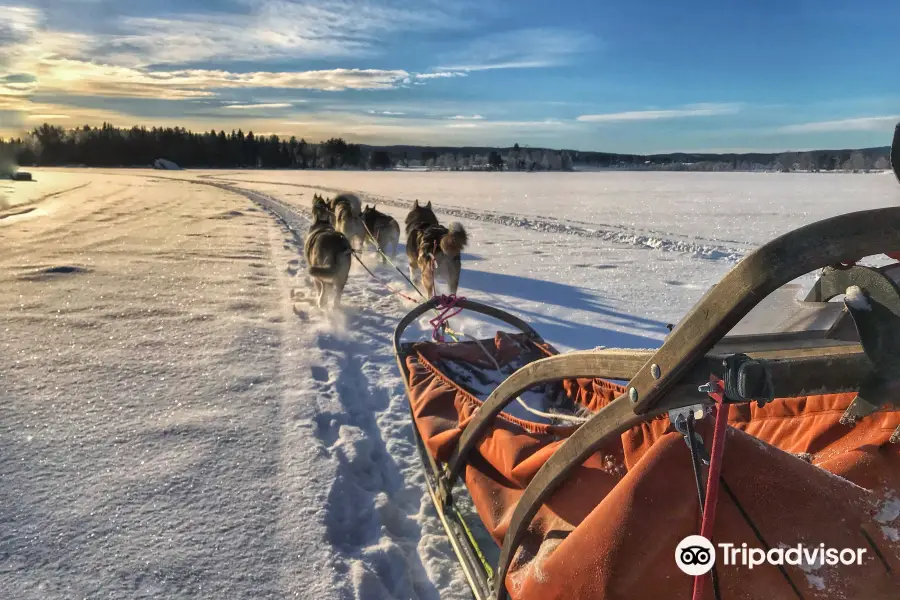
(340, 227)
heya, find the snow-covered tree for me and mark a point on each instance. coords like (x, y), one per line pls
(545, 160)
(784, 163)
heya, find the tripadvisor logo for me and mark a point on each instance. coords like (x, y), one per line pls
(695, 555)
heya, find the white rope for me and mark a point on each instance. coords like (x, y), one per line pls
(534, 411)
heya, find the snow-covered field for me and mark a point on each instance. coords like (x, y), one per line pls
(178, 421)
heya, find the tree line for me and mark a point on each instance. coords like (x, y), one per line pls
(109, 146)
(816, 161)
(515, 159)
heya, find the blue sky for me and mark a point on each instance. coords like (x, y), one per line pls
(642, 76)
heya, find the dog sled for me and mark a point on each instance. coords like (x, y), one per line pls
(763, 421)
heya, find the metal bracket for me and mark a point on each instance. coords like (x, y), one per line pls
(835, 280)
(443, 493)
(679, 417)
(879, 334)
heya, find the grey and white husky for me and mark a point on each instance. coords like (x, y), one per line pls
(320, 210)
(432, 248)
(348, 218)
(382, 230)
(328, 258)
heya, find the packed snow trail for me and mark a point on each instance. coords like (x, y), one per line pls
(174, 426)
(379, 521)
(618, 234)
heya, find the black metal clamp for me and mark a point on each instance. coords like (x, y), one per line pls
(743, 379)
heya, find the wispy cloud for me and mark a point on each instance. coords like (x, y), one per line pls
(118, 55)
(505, 124)
(521, 49)
(465, 118)
(42, 118)
(386, 113)
(18, 35)
(693, 110)
(513, 64)
(885, 123)
(78, 77)
(268, 106)
(18, 38)
(264, 29)
(441, 75)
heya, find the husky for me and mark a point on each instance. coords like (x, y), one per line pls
(351, 199)
(432, 247)
(320, 209)
(348, 219)
(328, 256)
(382, 230)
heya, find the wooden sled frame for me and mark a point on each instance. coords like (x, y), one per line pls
(668, 378)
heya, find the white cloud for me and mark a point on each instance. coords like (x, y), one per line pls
(257, 106)
(553, 123)
(515, 64)
(885, 123)
(123, 55)
(18, 33)
(48, 117)
(693, 110)
(441, 75)
(265, 29)
(79, 77)
(465, 118)
(521, 49)
(387, 113)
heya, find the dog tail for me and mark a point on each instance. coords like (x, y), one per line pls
(453, 242)
(330, 271)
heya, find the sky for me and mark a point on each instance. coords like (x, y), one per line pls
(642, 76)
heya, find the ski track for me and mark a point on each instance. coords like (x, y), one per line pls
(379, 523)
(650, 239)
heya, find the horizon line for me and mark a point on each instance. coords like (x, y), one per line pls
(284, 136)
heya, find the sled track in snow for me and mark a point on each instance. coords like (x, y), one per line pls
(291, 216)
(384, 540)
(662, 241)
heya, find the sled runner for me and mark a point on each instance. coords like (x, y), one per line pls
(763, 421)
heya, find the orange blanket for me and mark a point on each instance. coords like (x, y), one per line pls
(793, 475)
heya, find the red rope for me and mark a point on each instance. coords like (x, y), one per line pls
(715, 469)
(445, 304)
